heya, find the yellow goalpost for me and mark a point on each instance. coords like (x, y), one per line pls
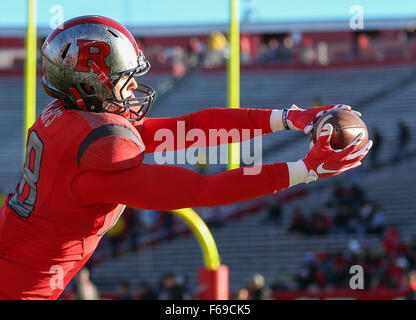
(30, 71)
(233, 76)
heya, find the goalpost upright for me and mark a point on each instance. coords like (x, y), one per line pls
(30, 71)
(233, 76)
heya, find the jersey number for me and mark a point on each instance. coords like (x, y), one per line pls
(23, 201)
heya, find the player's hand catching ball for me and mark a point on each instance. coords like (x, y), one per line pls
(299, 119)
(322, 161)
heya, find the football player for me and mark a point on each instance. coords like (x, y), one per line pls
(84, 157)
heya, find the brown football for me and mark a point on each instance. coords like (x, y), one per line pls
(347, 126)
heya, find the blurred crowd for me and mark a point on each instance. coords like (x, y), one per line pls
(171, 287)
(294, 48)
(400, 150)
(390, 266)
(346, 212)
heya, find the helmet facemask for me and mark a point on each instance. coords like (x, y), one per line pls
(143, 100)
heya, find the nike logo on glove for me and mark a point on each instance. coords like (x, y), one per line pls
(321, 169)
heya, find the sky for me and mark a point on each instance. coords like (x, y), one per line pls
(188, 12)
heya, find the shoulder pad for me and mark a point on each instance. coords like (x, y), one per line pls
(110, 147)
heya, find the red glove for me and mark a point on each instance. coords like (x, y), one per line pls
(302, 119)
(322, 161)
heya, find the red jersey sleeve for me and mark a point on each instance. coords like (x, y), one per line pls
(244, 121)
(162, 187)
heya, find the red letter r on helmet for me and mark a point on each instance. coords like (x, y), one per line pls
(85, 55)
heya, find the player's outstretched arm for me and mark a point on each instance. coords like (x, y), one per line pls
(162, 187)
(236, 125)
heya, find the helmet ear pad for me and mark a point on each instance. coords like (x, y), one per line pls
(93, 102)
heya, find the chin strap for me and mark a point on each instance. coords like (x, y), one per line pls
(80, 101)
(102, 76)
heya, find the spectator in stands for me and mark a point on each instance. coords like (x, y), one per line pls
(133, 226)
(286, 52)
(242, 294)
(115, 236)
(2, 198)
(308, 54)
(196, 51)
(262, 52)
(245, 48)
(320, 223)
(394, 270)
(124, 291)
(381, 270)
(338, 196)
(338, 274)
(412, 285)
(306, 274)
(273, 50)
(146, 292)
(356, 197)
(168, 225)
(84, 288)
(342, 219)
(392, 243)
(183, 281)
(372, 219)
(274, 212)
(157, 54)
(323, 268)
(201, 161)
(279, 285)
(402, 144)
(299, 224)
(377, 141)
(347, 202)
(258, 289)
(317, 102)
(217, 218)
(372, 265)
(352, 196)
(217, 45)
(171, 290)
(410, 35)
(178, 61)
(411, 255)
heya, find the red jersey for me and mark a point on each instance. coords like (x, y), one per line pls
(82, 168)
